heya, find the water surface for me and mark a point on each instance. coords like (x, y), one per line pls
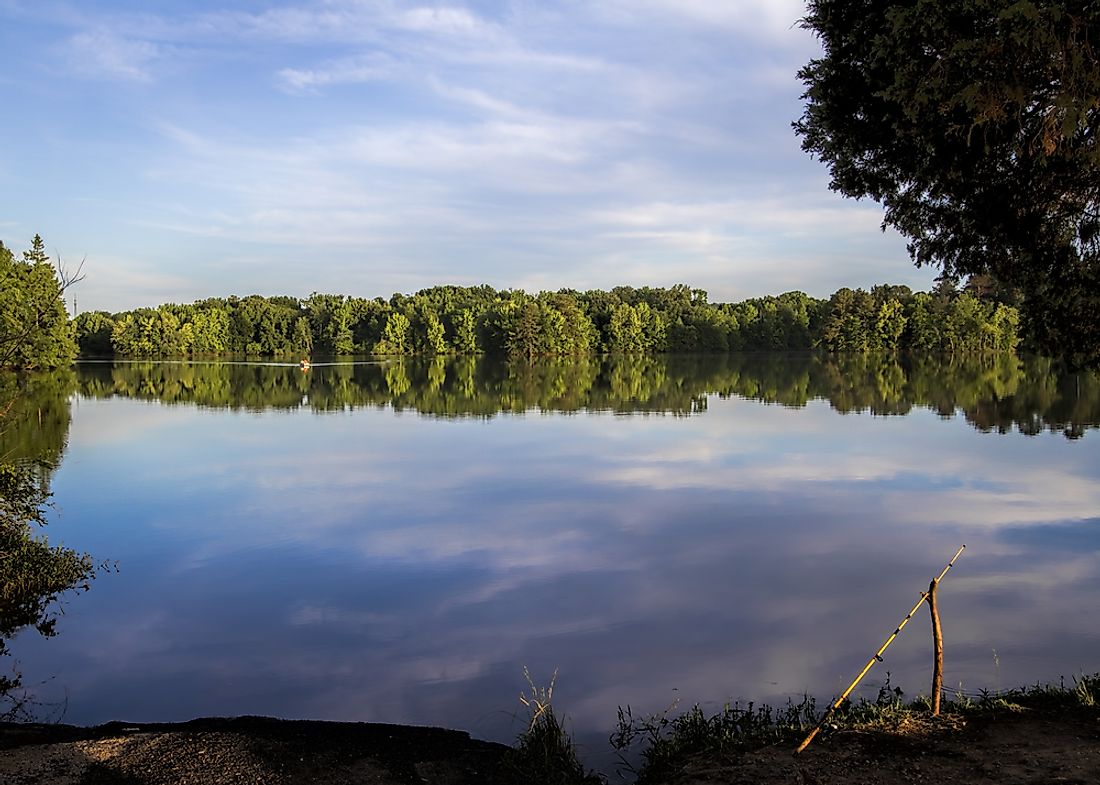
(395, 541)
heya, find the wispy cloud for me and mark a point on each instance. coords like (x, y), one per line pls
(348, 21)
(144, 282)
(769, 213)
(103, 54)
(354, 70)
(771, 18)
(443, 21)
(518, 144)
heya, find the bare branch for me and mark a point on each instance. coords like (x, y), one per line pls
(65, 277)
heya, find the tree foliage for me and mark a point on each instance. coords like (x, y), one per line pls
(448, 320)
(34, 325)
(974, 123)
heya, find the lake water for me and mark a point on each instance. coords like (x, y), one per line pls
(396, 541)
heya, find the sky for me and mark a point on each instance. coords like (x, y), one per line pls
(187, 149)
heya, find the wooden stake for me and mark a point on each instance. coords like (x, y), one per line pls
(876, 657)
(937, 644)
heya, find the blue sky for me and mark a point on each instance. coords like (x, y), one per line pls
(192, 149)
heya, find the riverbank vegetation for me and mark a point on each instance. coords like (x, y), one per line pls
(1042, 734)
(474, 320)
(544, 753)
(695, 746)
(663, 748)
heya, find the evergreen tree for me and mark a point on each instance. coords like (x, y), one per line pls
(34, 325)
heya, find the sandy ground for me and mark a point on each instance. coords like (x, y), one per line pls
(244, 750)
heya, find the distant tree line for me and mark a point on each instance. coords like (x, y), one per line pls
(35, 330)
(481, 320)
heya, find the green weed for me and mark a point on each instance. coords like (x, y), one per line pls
(663, 742)
(544, 753)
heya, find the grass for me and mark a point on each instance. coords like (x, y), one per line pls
(662, 741)
(544, 753)
(664, 744)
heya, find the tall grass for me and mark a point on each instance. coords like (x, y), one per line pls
(544, 753)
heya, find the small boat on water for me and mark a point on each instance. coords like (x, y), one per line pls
(304, 364)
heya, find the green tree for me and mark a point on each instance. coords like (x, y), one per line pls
(395, 335)
(974, 123)
(849, 323)
(34, 325)
(922, 324)
(890, 324)
(429, 332)
(332, 322)
(37, 252)
(523, 327)
(465, 332)
(625, 331)
(92, 330)
(210, 328)
(302, 340)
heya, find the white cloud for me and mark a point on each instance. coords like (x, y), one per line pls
(102, 54)
(443, 21)
(771, 18)
(353, 70)
(331, 21)
(350, 21)
(563, 144)
(752, 215)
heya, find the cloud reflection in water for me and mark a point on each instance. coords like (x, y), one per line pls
(378, 566)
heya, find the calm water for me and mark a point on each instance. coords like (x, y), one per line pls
(395, 542)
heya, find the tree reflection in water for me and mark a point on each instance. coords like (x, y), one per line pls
(34, 575)
(993, 393)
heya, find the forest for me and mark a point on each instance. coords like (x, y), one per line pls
(36, 332)
(458, 320)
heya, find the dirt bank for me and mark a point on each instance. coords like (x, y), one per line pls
(244, 750)
(1024, 747)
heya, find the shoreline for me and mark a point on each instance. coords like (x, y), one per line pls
(1010, 743)
(244, 749)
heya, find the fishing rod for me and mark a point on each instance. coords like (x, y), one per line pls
(876, 658)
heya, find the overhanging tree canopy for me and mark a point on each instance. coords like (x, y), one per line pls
(974, 123)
